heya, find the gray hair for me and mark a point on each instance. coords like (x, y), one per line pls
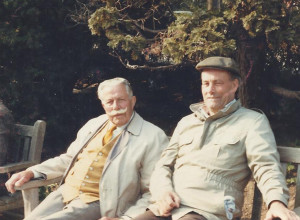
(114, 82)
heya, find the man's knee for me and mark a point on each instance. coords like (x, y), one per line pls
(148, 215)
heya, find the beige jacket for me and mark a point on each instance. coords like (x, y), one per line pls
(124, 186)
(210, 158)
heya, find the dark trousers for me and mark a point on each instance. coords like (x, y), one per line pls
(148, 215)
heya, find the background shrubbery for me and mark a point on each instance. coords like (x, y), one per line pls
(50, 62)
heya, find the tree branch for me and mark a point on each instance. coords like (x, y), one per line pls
(86, 90)
(148, 29)
(144, 67)
(285, 92)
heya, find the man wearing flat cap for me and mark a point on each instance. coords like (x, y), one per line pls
(212, 154)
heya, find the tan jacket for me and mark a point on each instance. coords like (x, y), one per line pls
(124, 186)
(214, 157)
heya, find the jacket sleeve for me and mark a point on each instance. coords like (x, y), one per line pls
(161, 179)
(151, 156)
(57, 166)
(263, 160)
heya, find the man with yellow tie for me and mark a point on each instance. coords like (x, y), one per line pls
(108, 165)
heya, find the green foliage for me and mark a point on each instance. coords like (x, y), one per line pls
(187, 41)
(291, 174)
(129, 26)
(193, 32)
(103, 18)
(42, 55)
(44, 191)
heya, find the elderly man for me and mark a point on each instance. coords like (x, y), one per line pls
(108, 165)
(212, 154)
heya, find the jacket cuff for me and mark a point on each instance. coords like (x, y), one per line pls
(38, 175)
(276, 197)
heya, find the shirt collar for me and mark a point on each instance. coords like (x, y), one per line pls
(226, 107)
(121, 128)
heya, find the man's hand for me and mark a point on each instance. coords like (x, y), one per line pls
(18, 179)
(107, 218)
(278, 210)
(167, 202)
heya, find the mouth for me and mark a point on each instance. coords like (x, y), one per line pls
(117, 115)
(213, 98)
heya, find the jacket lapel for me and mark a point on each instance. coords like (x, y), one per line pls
(89, 135)
(133, 128)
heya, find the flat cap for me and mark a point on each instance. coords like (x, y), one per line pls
(223, 63)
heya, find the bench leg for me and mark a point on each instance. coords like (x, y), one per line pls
(31, 199)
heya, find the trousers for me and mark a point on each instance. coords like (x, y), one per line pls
(53, 208)
(148, 215)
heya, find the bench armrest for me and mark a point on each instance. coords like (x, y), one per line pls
(16, 166)
(38, 183)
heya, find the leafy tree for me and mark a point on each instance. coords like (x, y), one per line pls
(49, 47)
(163, 34)
(42, 56)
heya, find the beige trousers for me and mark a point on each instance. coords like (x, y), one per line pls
(53, 208)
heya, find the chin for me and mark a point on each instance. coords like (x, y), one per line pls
(119, 122)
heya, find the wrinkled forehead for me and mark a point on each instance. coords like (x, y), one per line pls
(118, 90)
(214, 74)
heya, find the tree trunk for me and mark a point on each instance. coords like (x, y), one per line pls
(213, 4)
(251, 57)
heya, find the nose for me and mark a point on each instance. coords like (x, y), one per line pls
(115, 105)
(211, 88)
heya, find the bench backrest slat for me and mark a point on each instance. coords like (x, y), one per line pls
(289, 154)
(29, 141)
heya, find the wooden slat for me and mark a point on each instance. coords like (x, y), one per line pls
(297, 196)
(37, 140)
(289, 154)
(284, 168)
(28, 147)
(24, 130)
(257, 204)
(38, 183)
(16, 166)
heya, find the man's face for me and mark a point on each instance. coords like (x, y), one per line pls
(117, 104)
(218, 89)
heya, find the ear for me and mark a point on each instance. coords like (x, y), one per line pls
(133, 101)
(235, 84)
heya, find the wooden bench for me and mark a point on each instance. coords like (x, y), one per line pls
(287, 155)
(27, 147)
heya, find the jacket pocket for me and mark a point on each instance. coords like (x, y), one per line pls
(228, 140)
(229, 147)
